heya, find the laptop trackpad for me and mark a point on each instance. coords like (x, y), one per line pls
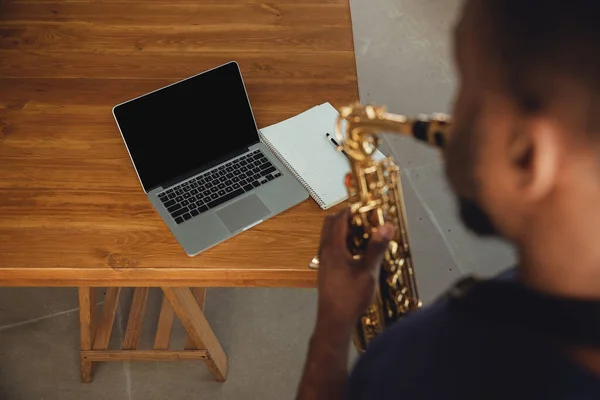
(243, 213)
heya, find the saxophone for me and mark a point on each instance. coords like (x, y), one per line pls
(374, 198)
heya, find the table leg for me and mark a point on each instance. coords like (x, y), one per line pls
(133, 331)
(200, 295)
(105, 323)
(87, 322)
(165, 325)
(192, 318)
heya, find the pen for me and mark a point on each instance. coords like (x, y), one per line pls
(337, 145)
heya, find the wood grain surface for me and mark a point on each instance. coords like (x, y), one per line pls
(72, 211)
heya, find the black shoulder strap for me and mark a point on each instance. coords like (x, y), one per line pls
(573, 320)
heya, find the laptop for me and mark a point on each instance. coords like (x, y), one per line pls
(197, 153)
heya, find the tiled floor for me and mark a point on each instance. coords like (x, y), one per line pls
(404, 61)
(263, 331)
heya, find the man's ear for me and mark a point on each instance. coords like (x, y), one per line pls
(534, 157)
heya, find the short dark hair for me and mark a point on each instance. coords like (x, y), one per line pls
(535, 39)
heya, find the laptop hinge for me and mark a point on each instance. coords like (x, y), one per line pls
(203, 167)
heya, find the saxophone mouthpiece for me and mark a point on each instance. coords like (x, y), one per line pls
(431, 131)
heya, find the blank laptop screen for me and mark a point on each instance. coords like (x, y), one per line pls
(179, 129)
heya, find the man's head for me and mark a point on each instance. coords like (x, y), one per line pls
(526, 145)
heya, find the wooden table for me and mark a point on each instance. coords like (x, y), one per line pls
(72, 211)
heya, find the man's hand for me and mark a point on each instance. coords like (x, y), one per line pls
(346, 286)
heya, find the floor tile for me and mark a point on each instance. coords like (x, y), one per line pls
(405, 63)
(40, 360)
(404, 54)
(23, 304)
(264, 332)
(435, 264)
(409, 153)
(423, 234)
(475, 255)
(18, 305)
(436, 272)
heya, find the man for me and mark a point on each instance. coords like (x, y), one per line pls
(524, 161)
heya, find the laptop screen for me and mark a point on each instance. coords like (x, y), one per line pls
(177, 130)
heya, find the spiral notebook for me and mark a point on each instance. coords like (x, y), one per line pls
(302, 146)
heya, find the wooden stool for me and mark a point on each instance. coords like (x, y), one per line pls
(200, 341)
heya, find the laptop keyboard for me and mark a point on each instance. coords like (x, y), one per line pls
(215, 187)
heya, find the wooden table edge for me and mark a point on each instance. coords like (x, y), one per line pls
(156, 277)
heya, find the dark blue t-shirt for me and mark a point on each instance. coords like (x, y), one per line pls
(444, 352)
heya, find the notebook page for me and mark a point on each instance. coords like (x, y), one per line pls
(302, 142)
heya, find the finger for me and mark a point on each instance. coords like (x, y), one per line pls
(378, 244)
(339, 229)
(326, 228)
(326, 232)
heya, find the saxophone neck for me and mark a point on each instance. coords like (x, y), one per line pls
(358, 128)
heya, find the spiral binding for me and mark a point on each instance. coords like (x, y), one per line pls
(312, 193)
